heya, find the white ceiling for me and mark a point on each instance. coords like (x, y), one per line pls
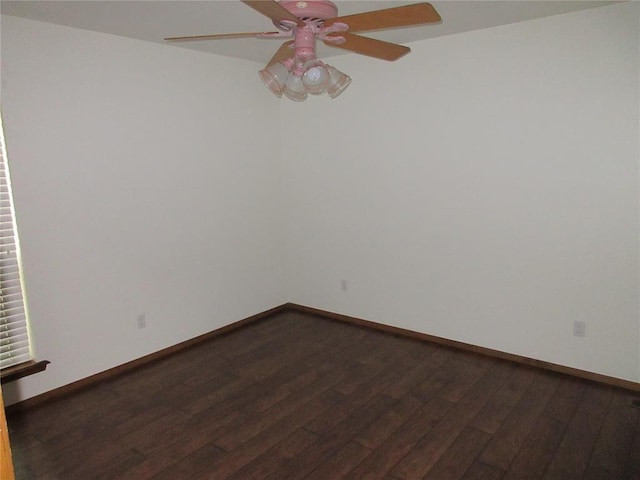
(152, 20)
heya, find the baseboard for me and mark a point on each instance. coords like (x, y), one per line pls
(161, 354)
(575, 372)
(70, 388)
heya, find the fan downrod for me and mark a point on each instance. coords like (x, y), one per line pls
(313, 12)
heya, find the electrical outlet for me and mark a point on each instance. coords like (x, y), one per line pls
(141, 320)
(343, 285)
(579, 328)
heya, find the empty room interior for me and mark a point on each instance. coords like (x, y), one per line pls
(478, 197)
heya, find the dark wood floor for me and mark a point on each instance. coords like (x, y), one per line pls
(297, 396)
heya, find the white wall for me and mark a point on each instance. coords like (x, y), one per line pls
(144, 182)
(482, 189)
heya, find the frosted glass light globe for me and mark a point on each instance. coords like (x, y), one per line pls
(316, 79)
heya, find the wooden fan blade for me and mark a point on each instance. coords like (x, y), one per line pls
(285, 51)
(274, 11)
(370, 47)
(222, 36)
(416, 14)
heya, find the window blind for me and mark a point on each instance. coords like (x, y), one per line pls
(15, 346)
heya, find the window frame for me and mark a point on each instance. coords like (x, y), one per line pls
(15, 323)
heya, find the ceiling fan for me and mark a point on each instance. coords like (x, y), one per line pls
(295, 70)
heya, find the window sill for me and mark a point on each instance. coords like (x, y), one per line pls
(23, 370)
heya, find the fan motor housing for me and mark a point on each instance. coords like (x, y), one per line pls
(316, 11)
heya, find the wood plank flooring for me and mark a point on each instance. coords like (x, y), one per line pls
(296, 396)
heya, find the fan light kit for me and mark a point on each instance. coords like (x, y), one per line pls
(295, 70)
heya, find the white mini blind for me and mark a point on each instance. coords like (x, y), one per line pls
(15, 346)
